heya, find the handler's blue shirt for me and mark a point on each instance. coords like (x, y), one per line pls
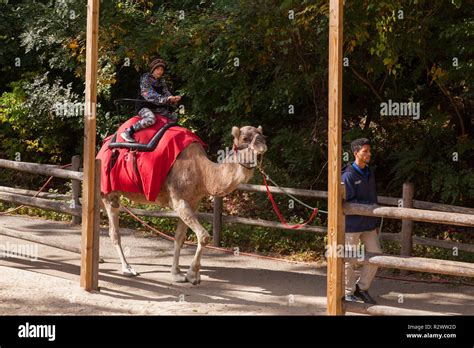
(360, 188)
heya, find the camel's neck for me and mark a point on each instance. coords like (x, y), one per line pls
(222, 178)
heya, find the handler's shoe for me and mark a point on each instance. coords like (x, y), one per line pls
(363, 295)
(127, 136)
(351, 298)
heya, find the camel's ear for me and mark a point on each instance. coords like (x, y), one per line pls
(259, 129)
(236, 132)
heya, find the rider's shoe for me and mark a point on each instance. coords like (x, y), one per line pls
(127, 136)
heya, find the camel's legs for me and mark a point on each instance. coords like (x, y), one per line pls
(112, 205)
(179, 236)
(186, 213)
(192, 275)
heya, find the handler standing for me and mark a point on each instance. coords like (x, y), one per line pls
(359, 181)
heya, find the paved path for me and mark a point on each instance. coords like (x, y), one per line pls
(230, 284)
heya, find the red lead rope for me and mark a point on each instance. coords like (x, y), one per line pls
(275, 207)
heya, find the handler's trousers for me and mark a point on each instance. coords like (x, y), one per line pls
(367, 273)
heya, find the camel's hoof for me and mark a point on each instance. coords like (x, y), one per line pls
(193, 278)
(178, 278)
(130, 272)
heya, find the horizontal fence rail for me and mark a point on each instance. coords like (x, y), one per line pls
(395, 237)
(225, 218)
(292, 191)
(419, 264)
(43, 169)
(24, 192)
(392, 201)
(426, 205)
(409, 214)
(42, 203)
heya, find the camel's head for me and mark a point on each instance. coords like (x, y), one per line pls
(251, 138)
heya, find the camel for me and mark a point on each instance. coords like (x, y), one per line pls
(192, 177)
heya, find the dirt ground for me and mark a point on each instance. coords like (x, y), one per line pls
(236, 285)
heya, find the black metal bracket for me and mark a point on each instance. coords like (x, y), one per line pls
(143, 147)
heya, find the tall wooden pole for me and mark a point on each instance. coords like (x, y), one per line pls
(406, 234)
(335, 274)
(89, 213)
(76, 188)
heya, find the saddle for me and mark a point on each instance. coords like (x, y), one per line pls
(143, 166)
(140, 147)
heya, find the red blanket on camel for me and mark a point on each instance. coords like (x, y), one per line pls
(153, 167)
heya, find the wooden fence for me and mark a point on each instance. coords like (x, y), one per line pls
(406, 208)
(48, 201)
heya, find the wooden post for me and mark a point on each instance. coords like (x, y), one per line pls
(335, 284)
(90, 244)
(406, 239)
(89, 210)
(342, 232)
(76, 188)
(96, 230)
(217, 221)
